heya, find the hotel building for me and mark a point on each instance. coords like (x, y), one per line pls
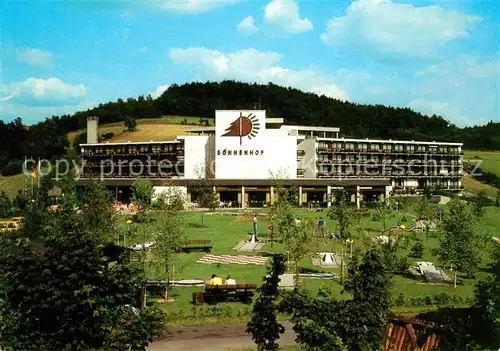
(246, 155)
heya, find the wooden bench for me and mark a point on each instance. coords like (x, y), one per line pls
(197, 245)
(225, 293)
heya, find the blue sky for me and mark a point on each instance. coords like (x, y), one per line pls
(435, 57)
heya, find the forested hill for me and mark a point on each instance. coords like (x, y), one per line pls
(47, 139)
(296, 107)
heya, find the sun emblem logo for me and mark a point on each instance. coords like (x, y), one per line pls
(244, 126)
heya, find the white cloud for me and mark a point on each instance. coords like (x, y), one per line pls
(247, 26)
(158, 91)
(36, 58)
(44, 92)
(195, 6)
(464, 89)
(395, 28)
(444, 109)
(252, 65)
(34, 114)
(465, 65)
(285, 15)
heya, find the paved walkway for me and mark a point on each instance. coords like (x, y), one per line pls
(214, 338)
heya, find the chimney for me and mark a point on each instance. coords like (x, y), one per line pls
(92, 129)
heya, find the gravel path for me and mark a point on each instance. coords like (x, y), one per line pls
(214, 338)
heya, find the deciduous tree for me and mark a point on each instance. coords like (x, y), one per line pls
(295, 234)
(342, 211)
(461, 241)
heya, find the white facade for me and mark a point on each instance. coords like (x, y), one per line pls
(200, 156)
(245, 149)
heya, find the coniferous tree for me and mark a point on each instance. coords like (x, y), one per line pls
(326, 323)
(66, 287)
(264, 326)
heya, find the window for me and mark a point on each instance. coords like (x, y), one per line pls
(398, 147)
(375, 147)
(387, 147)
(410, 148)
(421, 148)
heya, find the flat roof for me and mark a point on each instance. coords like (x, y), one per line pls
(276, 120)
(312, 129)
(201, 129)
(134, 142)
(389, 141)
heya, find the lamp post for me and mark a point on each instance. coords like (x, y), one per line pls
(350, 242)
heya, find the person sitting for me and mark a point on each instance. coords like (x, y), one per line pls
(230, 281)
(215, 280)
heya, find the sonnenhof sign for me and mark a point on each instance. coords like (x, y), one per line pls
(243, 145)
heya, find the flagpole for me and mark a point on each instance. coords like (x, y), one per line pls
(25, 176)
(39, 177)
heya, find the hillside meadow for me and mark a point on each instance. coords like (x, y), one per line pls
(156, 129)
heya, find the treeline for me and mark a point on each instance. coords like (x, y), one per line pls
(47, 139)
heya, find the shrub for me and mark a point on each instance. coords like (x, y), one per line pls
(417, 250)
(12, 168)
(107, 136)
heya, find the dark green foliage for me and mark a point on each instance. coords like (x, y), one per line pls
(497, 199)
(488, 299)
(80, 138)
(324, 323)
(65, 286)
(142, 192)
(263, 325)
(20, 201)
(417, 250)
(13, 167)
(479, 201)
(462, 241)
(202, 192)
(5, 205)
(472, 328)
(130, 124)
(107, 136)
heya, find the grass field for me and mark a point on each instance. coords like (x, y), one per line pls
(226, 231)
(488, 160)
(11, 184)
(156, 129)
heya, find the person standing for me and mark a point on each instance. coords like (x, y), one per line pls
(321, 225)
(255, 226)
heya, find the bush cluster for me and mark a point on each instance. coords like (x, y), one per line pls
(208, 311)
(442, 299)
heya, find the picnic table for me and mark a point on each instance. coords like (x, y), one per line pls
(225, 293)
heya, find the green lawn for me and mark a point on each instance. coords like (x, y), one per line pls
(226, 231)
(489, 160)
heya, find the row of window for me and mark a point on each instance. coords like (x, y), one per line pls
(132, 149)
(433, 183)
(387, 171)
(377, 147)
(375, 159)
